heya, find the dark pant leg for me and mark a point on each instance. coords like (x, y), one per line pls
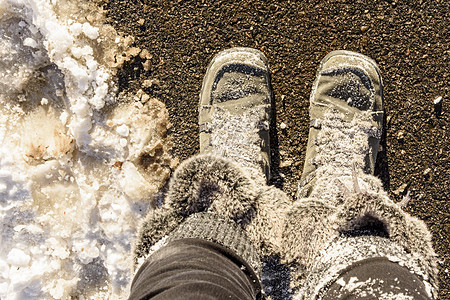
(194, 269)
(376, 278)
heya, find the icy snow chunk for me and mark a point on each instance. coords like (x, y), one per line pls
(123, 142)
(92, 64)
(17, 257)
(76, 28)
(132, 183)
(87, 250)
(82, 51)
(341, 282)
(64, 117)
(58, 248)
(78, 72)
(30, 43)
(60, 35)
(33, 29)
(123, 130)
(90, 31)
(81, 108)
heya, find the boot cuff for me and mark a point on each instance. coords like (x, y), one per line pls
(218, 186)
(211, 227)
(362, 216)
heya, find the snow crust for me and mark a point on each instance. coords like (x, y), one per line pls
(78, 170)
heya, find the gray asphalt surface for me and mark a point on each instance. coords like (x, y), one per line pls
(409, 39)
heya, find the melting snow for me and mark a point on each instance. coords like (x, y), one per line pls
(77, 170)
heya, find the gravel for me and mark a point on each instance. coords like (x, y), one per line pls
(409, 39)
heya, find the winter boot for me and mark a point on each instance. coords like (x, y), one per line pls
(235, 106)
(347, 106)
(226, 181)
(343, 218)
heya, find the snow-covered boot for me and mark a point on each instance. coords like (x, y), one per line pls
(346, 117)
(226, 182)
(342, 215)
(235, 107)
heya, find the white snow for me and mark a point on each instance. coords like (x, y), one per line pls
(18, 258)
(76, 176)
(123, 130)
(30, 43)
(90, 31)
(123, 142)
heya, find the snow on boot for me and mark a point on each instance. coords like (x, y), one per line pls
(235, 106)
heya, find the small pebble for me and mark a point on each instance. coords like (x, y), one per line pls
(283, 126)
(437, 100)
(438, 106)
(400, 189)
(364, 28)
(145, 98)
(285, 163)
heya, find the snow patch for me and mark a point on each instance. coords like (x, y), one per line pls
(76, 173)
(18, 258)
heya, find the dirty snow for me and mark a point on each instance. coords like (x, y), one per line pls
(79, 165)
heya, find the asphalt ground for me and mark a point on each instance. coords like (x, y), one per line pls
(410, 40)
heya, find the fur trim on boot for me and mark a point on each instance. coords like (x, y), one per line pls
(348, 252)
(221, 187)
(314, 227)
